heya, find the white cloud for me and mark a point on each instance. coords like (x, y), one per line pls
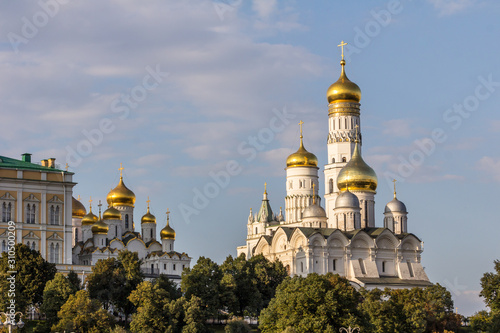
(490, 166)
(398, 128)
(450, 7)
(264, 8)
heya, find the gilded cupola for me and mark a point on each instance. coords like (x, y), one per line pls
(167, 232)
(356, 174)
(99, 228)
(90, 218)
(78, 209)
(148, 217)
(301, 158)
(121, 195)
(111, 214)
(344, 90)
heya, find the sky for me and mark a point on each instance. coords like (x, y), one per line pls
(200, 100)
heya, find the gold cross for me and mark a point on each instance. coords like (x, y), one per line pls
(265, 187)
(168, 214)
(300, 124)
(67, 166)
(394, 181)
(148, 201)
(342, 47)
(121, 170)
(90, 202)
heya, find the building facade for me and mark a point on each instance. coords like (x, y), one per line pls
(343, 237)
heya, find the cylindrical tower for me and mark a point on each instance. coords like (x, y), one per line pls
(148, 226)
(123, 199)
(301, 179)
(396, 215)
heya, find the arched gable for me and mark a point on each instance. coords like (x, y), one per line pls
(411, 243)
(317, 240)
(337, 239)
(280, 241)
(116, 244)
(362, 240)
(387, 240)
(262, 247)
(298, 239)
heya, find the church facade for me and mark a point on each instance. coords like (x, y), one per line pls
(342, 237)
(103, 236)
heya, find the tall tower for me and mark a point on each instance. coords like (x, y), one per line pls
(396, 215)
(301, 178)
(343, 118)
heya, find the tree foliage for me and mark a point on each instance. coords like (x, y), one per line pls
(112, 280)
(33, 272)
(490, 284)
(316, 303)
(83, 314)
(55, 294)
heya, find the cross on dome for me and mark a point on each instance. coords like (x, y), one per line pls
(341, 45)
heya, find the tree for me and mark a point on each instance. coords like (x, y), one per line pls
(490, 284)
(112, 280)
(74, 280)
(33, 272)
(83, 314)
(316, 303)
(157, 312)
(204, 281)
(55, 294)
(237, 326)
(269, 275)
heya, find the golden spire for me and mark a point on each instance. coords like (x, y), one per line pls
(168, 216)
(90, 204)
(148, 201)
(394, 181)
(342, 44)
(121, 170)
(265, 188)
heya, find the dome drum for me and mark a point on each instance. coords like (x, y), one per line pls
(100, 228)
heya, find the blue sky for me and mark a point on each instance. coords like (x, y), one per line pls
(176, 90)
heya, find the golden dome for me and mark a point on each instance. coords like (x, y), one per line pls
(356, 175)
(301, 157)
(78, 209)
(167, 232)
(90, 218)
(111, 214)
(121, 195)
(344, 90)
(100, 228)
(149, 218)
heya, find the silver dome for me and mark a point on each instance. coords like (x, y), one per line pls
(395, 206)
(313, 211)
(347, 199)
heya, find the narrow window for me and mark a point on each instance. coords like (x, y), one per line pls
(9, 212)
(56, 254)
(410, 268)
(331, 185)
(165, 266)
(151, 233)
(4, 246)
(76, 235)
(333, 159)
(174, 267)
(302, 267)
(152, 268)
(362, 266)
(33, 246)
(4, 212)
(126, 221)
(383, 266)
(56, 217)
(116, 231)
(344, 159)
(183, 266)
(334, 264)
(290, 185)
(345, 123)
(256, 230)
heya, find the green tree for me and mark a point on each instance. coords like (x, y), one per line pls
(204, 281)
(112, 280)
(33, 272)
(237, 326)
(490, 284)
(269, 275)
(83, 314)
(55, 294)
(74, 280)
(316, 303)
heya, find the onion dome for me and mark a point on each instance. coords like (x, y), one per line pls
(344, 90)
(78, 209)
(90, 218)
(313, 211)
(167, 232)
(357, 175)
(121, 195)
(301, 158)
(148, 217)
(100, 228)
(395, 205)
(347, 199)
(111, 214)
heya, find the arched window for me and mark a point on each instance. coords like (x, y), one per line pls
(344, 159)
(6, 212)
(126, 221)
(333, 159)
(56, 216)
(4, 246)
(256, 230)
(302, 267)
(52, 215)
(52, 253)
(345, 123)
(331, 185)
(33, 246)
(334, 264)
(290, 184)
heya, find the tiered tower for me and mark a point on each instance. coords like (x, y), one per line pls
(301, 178)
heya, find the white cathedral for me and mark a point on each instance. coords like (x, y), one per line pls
(343, 237)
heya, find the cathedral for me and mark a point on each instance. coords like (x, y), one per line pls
(101, 237)
(341, 238)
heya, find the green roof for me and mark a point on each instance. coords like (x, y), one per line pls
(11, 163)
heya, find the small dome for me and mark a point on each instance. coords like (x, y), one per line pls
(78, 209)
(344, 90)
(347, 199)
(301, 157)
(121, 195)
(100, 228)
(395, 206)
(313, 210)
(111, 214)
(148, 218)
(90, 218)
(357, 175)
(167, 232)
